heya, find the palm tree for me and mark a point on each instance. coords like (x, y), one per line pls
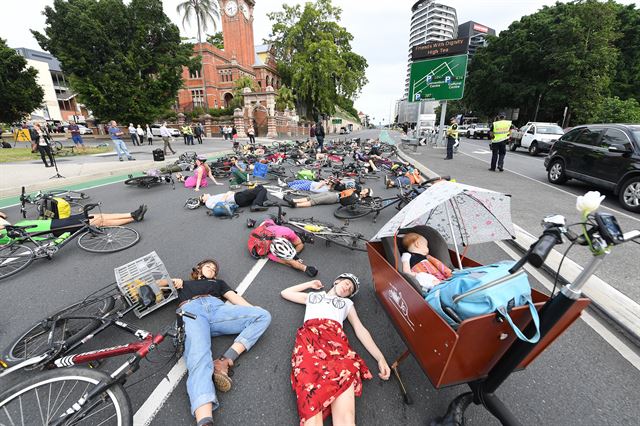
(205, 12)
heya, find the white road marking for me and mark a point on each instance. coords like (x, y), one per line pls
(616, 343)
(480, 152)
(163, 391)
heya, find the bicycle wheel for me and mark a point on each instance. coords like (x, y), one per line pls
(45, 397)
(141, 181)
(331, 233)
(35, 340)
(108, 239)
(57, 145)
(14, 258)
(352, 211)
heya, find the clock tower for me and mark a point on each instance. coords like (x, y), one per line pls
(237, 30)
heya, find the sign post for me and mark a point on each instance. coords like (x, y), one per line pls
(438, 73)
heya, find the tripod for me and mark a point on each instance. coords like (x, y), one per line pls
(55, 164)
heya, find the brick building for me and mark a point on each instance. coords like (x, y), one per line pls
(222, 68)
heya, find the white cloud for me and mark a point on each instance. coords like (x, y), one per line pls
(380, 29)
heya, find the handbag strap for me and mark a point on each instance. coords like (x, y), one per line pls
(536, 321)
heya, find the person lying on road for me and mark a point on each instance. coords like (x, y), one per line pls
(254, 197)
(204, 296)
(326, 373)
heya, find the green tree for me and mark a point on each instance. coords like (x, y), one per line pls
(131, 73)
(19, 90)
(563, 55)
(238, 90)
(217, 40)
(285, 99)
(205, 12)
(626, 83)
(615, 110)
(314, 56)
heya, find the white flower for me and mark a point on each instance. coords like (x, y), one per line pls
(589, 202)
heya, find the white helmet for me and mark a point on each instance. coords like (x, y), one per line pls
(283, 248)
(352, 278)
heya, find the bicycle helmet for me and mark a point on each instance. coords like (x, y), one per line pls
(283, 248)
(202, 158)
(192, 203)
(353, 279)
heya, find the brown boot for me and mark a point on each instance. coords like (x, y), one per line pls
(221, 372)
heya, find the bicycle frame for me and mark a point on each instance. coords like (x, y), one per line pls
(38, 242)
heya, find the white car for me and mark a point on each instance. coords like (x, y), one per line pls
(536, 137)
(155, 131)
(84, 130)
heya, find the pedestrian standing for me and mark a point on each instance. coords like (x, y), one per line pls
(312, 135)
(116, 137)
(452, 136)
(133, 134)
(75, 135)
(140, 134)
(252, 135)
(166, 138)
(149, 135)
(43, 145)
(199, 131)
(320, 135)
(234, 133)
(499, 136)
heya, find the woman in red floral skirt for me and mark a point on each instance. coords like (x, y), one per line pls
(326, 373)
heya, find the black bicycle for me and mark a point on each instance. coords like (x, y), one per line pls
(19, 247)
(149, 181)
(34, 205)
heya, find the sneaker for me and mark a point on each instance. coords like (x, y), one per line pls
(269, 203)
(289, 199)
(257, 208)
(221, 367)
(492, 170)
(501, 169)
(234, 187)
(311, 271)
(120, 159)
(132, 159)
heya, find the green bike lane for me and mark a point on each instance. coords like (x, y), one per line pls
(603, 390)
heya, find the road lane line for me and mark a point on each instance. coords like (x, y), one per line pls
(616, 343)
(150, 408)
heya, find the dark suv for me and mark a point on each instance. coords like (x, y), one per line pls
(605, 155)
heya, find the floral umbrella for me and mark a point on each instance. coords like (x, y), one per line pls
(461, 213)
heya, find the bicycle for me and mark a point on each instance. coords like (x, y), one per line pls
(149, 181)
(16, 255)
(72, 396)
(365, 206)
(309, 228)
(74, 198)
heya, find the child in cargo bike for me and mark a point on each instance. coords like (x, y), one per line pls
(417, 262)
(326, 373)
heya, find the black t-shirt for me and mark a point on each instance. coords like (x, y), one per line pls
(215, 288)
(416, 258)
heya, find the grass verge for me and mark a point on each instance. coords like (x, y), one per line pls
(9, 155)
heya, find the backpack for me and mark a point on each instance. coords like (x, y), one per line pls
(55, 208)
(224, 209)
(306, 174)
(260, 241)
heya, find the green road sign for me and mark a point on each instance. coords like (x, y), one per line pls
(438, 79)
(336, 121)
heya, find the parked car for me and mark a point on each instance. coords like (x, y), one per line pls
(605, 155)
(84, 130)
(478, 131)
(155, 131)
(536, 137)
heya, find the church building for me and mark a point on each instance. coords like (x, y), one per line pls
(222, 68)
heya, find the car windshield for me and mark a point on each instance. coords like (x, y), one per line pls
(550, 130)
(636, 132)
(482, 125)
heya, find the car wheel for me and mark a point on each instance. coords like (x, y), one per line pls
(513, 146)
(533, 149)
(468, 135)
(630, 194)
(556, 173)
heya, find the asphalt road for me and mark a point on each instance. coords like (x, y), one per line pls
(580, 379)
(533, 198)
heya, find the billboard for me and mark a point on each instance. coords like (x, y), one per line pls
(438, 79)
(451, 47)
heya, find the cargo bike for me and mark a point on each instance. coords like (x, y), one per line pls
(483, 351)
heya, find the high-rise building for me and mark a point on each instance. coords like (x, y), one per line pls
(430, 21)
(477, 35)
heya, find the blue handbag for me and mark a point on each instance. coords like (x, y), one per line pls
(483, 290)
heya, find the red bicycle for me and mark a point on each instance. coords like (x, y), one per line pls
(79, 396)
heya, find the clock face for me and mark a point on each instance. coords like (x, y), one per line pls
(231, 8)
(245, 10)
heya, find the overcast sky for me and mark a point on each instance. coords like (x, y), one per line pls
(380, 29)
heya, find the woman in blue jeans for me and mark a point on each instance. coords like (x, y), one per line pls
(204, 296)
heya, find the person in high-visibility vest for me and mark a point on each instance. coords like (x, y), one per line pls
(452, 136)
(500, 129)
